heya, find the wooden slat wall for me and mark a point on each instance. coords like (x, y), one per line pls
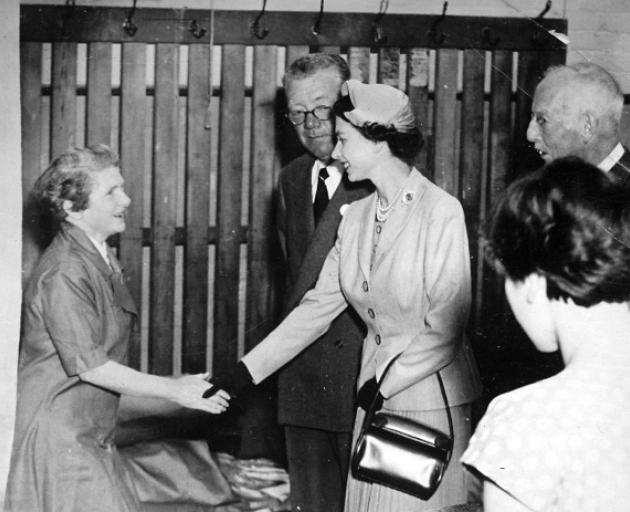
(63, 97)
(230, 178)
(445, 131)
(165, 147)
(99, 93)
(471, 156)
(259, 296)
(132, 158)
(197, 210)
(471, 115)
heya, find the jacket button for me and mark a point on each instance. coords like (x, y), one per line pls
(365, 286)
(377, 339)
(371, 313)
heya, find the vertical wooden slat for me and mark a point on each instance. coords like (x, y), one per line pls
(418, 90)
(99, 93)
(330, 49)
(132, 162)
(197, 211)
(445, 123)
(31, 92)
(259, 297)
(293, 53)
(388, 66)
(64, 97)
(471, 156)
(531, 68)
(231, 119)
(359, 63)
(164, 209)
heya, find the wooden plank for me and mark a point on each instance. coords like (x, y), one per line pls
(531, 68)
(500, 148)
(418, 91)
(389, 66)
(132, 161)
(293, 53)
(500, 125)
(231, 119)
(195, 312)
(44, 23)
(164, 209)
(260, 314)
(445, 122)
(99, 93)
(64, 97)
(31, 91)
(471, 160)
(330, 48)
(359, 63)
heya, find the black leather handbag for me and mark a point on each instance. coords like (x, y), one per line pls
(401, 453)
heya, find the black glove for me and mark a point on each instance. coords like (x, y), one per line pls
(234, 379)
(367, 393)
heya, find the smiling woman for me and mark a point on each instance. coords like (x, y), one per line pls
(77, 321)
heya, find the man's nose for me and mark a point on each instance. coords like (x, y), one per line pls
(310, 121)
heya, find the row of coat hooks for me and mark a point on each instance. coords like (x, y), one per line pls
(436, 34)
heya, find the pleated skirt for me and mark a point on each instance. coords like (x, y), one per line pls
(454, 488)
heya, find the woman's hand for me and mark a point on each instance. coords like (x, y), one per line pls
(188, 391)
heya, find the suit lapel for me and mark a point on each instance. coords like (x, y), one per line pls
(323, 238)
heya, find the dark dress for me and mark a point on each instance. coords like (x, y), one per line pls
(77, 315)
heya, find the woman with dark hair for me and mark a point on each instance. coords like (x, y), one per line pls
(76, 324)
(401, 261)
(561, 238)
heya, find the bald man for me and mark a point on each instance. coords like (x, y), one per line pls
(577, 111)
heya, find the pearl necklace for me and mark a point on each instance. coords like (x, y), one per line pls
(382, 212)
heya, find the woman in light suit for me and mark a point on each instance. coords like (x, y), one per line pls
(401, 261)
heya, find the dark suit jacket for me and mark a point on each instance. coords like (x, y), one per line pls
(621, 170)
(317, 388)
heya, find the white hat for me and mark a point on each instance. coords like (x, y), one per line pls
(378, 103)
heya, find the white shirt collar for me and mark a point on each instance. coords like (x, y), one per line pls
(101, 247)
(615, 155)
(332, 182)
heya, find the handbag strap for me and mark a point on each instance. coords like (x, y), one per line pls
(370, 413)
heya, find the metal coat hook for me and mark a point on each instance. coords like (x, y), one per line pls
(487, 38)
(128, 25)
(537, 38)
(196, 29)
(255, 28)
(438, 37)
(544, 11)
(317, 26)
(377, 26)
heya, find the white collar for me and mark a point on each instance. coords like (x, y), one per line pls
(101, 247)
(613, 157)
(333, 180)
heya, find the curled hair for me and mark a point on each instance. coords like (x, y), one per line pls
(568, 223)
(68, 178)
(403, 145)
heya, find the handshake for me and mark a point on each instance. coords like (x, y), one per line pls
(235, 379)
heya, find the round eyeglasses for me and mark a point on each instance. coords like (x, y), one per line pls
(321, 112)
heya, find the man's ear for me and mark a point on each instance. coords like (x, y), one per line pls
(536, 287)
